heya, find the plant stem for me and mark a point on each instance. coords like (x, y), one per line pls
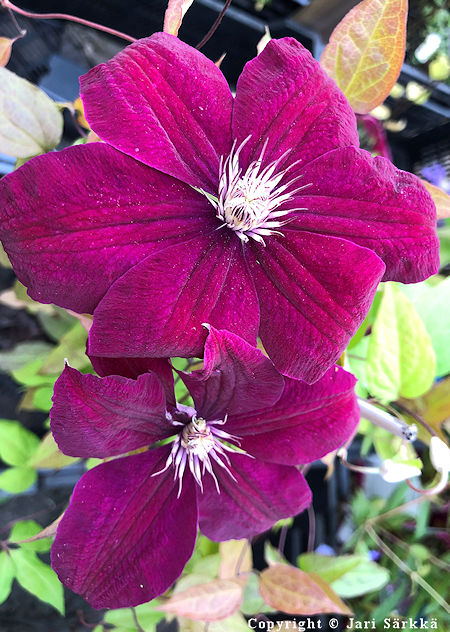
(63, 16)
(215, 26)
(414, 576)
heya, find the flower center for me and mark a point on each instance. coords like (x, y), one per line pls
(197, 446)
(249, 202)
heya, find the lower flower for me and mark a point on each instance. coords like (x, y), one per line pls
(227, 466)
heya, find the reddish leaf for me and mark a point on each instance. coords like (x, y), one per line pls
(290, 590)
(175, 12)
(440, 198)
(215, 600)
(366, 50)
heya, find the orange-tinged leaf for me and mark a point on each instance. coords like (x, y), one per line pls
(175, 12)
(235, 558)
(79, 111)
(440, 198)
(293, 591)
(5, 50)
(366, 50)
(213, 601)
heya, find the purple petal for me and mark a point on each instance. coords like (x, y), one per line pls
(101, 417)
(133, 367)
(308, 421)
(285, 97)
(74, 221)
(262, 494)
(314, 291)
(236, 378)
(174, 292)
(370, 202)
(165, 104)
(126, 537)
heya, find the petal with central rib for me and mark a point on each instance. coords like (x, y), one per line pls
(262, 494)
(101, 417)
(174, 292)
(236, 378)
(307, 422)
(126, 537)
(74, 221)
(372, 203)
(164, 103)
(314, 291)
(283, 96)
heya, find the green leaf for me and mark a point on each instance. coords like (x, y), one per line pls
(364, 578)
(22, 354)
(17, 444)
(146, 615)
(42, 398)
(273, 555)
(252, 602)
(28, 375)
(26, 529)
(329, 568)
(73, 347)
(388, 605)
(7, 574)
(16, 480)
(38, 578)
(400, 359)
(431, 303)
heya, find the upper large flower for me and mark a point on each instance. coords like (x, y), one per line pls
(132, 522)
(258, 214)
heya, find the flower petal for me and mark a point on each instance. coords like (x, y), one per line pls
(126, 537)
(101, 417)
(308, 421)
(74, 221)
(314, 292)
(285, 97)
(174, 292)
(133, 367)
(236, 378)
(262, 494)
(370, 202)
(164, 103)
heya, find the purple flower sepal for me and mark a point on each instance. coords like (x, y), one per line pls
(227, 466)
(258, 214)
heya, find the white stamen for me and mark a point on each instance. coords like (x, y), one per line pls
(248, 202)
(195, 446)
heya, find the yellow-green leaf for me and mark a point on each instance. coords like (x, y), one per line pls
(400, 359)
(290, 590)
(48, 455)
(16, 480)
(17, 444)
(7, 572)
(235, 558)
(38, 578)
(366, 50)
(30, 122)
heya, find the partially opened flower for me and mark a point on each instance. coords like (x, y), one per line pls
(227, 466)
(258, 214)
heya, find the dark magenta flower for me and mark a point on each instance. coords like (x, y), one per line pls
(257, 214)
(230, 469)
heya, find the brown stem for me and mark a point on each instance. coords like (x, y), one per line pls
(63, 16)
(215, 26)
(136, 622)
(312, 528)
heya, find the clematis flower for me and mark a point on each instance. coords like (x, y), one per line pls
(227, 465)
(258, 214)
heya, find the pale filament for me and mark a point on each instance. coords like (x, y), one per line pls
(248, 202)
(197, 446)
